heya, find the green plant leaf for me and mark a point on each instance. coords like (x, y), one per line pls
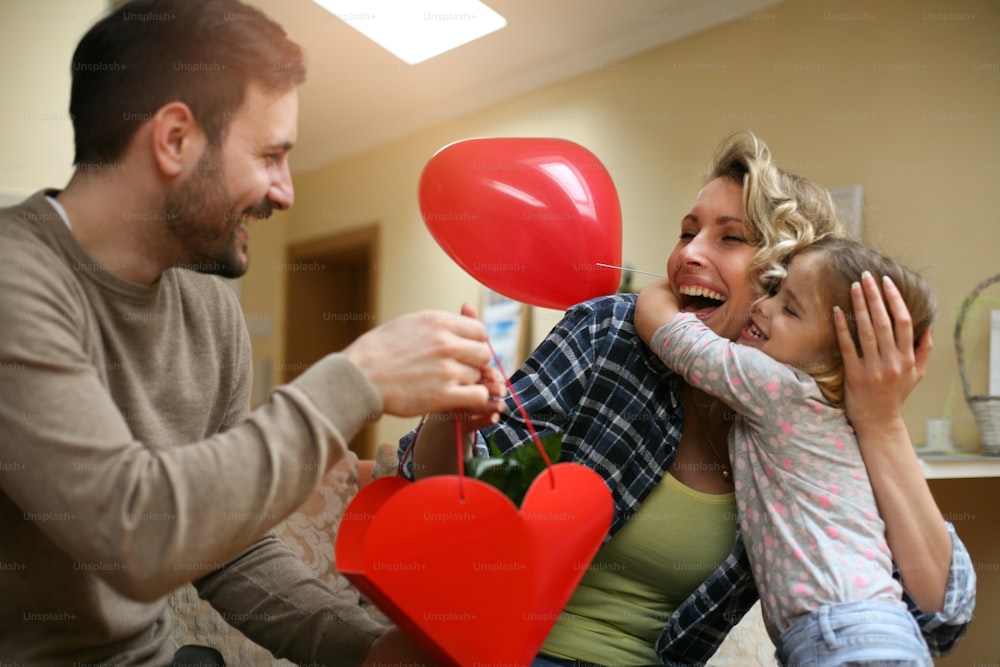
(514, 472)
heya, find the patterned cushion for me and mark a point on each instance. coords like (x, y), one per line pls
(747, 645)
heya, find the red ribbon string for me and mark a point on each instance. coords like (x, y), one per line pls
(461, 460)
(458, 432)
(524, 414)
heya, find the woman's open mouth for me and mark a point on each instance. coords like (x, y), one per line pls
(699, 300)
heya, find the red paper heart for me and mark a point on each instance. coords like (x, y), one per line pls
(472, 579)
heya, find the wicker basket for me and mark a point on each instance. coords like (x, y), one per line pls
(986, 409)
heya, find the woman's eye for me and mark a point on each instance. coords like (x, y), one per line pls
(687, 236)
(734, 239)
(790, 312)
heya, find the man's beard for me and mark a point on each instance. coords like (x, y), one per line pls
(201, 221)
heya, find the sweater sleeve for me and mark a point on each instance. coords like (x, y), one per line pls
(77, 460)
(268, 592)
(744, 378)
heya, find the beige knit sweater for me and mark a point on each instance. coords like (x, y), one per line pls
(130, 463)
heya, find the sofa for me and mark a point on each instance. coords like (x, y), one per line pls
(311, 530)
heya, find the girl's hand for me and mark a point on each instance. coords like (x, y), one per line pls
(656, 306)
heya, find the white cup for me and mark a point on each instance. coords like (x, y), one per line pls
(938, 434)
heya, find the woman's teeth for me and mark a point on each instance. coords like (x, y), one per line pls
(702, 292)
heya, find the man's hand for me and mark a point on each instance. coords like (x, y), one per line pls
(431, 361)
(395, 648)
(434, 449)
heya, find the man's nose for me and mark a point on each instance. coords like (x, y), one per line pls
(282, 193)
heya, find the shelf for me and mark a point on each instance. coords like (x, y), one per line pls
(941, 465)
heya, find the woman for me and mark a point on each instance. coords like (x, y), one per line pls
(672, 577)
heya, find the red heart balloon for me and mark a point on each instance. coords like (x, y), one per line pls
(528, 218)
(471, 578)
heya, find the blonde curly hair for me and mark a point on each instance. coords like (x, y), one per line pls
(783, 212)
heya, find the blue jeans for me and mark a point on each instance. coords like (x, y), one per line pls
(855, 634)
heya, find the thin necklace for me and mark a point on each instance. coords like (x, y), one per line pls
(726, 472)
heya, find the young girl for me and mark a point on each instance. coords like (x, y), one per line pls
(807, 513)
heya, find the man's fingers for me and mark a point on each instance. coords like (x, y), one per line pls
(472, 354)
(493, 381)
(468, 310)
(467, 326)
(473, 398)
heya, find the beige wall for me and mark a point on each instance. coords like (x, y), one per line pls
(34, 118)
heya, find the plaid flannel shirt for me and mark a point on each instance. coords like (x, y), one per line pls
(618, 408)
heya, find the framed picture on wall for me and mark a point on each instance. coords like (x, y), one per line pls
(507, 325)
(850, 203)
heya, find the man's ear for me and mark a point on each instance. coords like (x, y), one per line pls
(177, 139)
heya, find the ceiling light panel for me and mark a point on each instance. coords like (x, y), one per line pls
(417, 31)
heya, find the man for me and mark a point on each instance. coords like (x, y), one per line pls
(130, 462)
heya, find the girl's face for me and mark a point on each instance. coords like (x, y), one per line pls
(795, 326)
(709, 266)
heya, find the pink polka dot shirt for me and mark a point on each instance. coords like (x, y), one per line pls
(806, 508)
